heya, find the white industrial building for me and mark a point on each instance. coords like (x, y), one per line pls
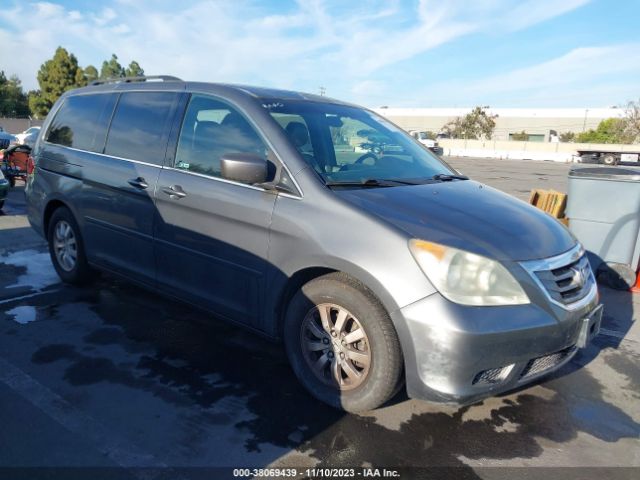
(538, 123)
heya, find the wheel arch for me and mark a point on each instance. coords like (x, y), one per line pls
(52, 205)
(293, 284)
(306, 274)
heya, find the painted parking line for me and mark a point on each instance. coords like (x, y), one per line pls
(29, 295)
(57, 408)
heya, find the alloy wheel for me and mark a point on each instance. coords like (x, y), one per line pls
(335, 346)
(65, 246)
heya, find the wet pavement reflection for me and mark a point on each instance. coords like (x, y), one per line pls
(193, 390)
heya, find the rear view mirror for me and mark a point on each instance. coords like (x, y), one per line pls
(243, 167)
(334, 121)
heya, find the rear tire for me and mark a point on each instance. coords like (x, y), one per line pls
(1, 204)
(610, 159)
(350, 359)
(66, 248)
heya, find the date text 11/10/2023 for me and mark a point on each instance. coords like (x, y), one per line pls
(316, 473)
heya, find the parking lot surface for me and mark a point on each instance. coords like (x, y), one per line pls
(112, 376)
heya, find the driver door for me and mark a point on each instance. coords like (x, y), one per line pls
(212, 233)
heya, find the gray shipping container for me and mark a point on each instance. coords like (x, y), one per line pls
(603, 207)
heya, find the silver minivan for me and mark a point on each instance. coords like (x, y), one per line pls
(317, 222)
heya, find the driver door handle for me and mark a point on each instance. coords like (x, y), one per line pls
(138, 182)
(175, 192)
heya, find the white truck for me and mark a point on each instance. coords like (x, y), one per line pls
(424, 139)
(609, 157)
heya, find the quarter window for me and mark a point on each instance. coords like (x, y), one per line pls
(140, 126)
(211, 129)
(82, 121)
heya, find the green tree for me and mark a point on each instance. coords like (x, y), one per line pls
(134, 70)
(474, 125)
(611, 130)
(430, 135)
(632, 121)
(56, 76)
(90, 73)
(520, 137)
(112, 68)
(13, 101)
(567, 137)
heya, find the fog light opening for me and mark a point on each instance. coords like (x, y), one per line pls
(492, 376)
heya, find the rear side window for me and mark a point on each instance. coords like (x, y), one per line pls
(140, 126)
(82, 121)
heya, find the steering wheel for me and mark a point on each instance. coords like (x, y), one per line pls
(362, 158)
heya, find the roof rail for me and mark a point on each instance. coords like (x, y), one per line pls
(164, 78)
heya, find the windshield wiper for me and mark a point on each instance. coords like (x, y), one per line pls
(445, 177)
(371, 182)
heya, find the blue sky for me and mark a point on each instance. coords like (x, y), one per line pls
(502, 53)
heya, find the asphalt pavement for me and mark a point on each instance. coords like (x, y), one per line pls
(112, 381)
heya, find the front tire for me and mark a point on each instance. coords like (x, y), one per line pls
(66, 248)
(342, 345)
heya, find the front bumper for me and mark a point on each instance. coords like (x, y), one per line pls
(460, 354)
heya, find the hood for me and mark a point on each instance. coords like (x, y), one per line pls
(466, 215)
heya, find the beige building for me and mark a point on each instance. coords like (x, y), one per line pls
(538, 123)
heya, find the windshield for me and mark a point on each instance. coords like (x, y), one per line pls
(349, 144)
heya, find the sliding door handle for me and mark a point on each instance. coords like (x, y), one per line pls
(174, 191)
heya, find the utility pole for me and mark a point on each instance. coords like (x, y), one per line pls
(322, 91)
(584, 124)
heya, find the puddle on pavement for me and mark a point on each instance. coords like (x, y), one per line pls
(23, 315)
(224, 376)
(37, 270)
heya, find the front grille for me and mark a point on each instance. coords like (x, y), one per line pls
(568, 283)
(547, 362)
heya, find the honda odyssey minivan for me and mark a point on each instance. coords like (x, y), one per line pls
(316, 222)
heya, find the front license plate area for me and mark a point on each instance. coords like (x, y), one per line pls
(590, 327)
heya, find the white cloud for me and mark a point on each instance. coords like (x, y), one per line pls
(603, 74)
(530, 12)
(338, 44)
(578, 65)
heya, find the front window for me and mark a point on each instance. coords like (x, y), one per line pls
(210, 129)
(351, 145)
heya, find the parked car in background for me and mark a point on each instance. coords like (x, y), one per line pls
(424, 139)
(6, 139)
(4, 189)
(30, 138)
(28, 133)
(316, 222)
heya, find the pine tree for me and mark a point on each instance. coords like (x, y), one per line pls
(56, 76)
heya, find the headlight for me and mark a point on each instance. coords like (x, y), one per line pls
(465, 277)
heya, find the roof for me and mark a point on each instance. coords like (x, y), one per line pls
(168, 82)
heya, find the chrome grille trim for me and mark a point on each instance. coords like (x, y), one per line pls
(566, 279)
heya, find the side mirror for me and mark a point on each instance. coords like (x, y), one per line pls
(243, 167)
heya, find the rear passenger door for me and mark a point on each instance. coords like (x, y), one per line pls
(212, 234)
(117, 200)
